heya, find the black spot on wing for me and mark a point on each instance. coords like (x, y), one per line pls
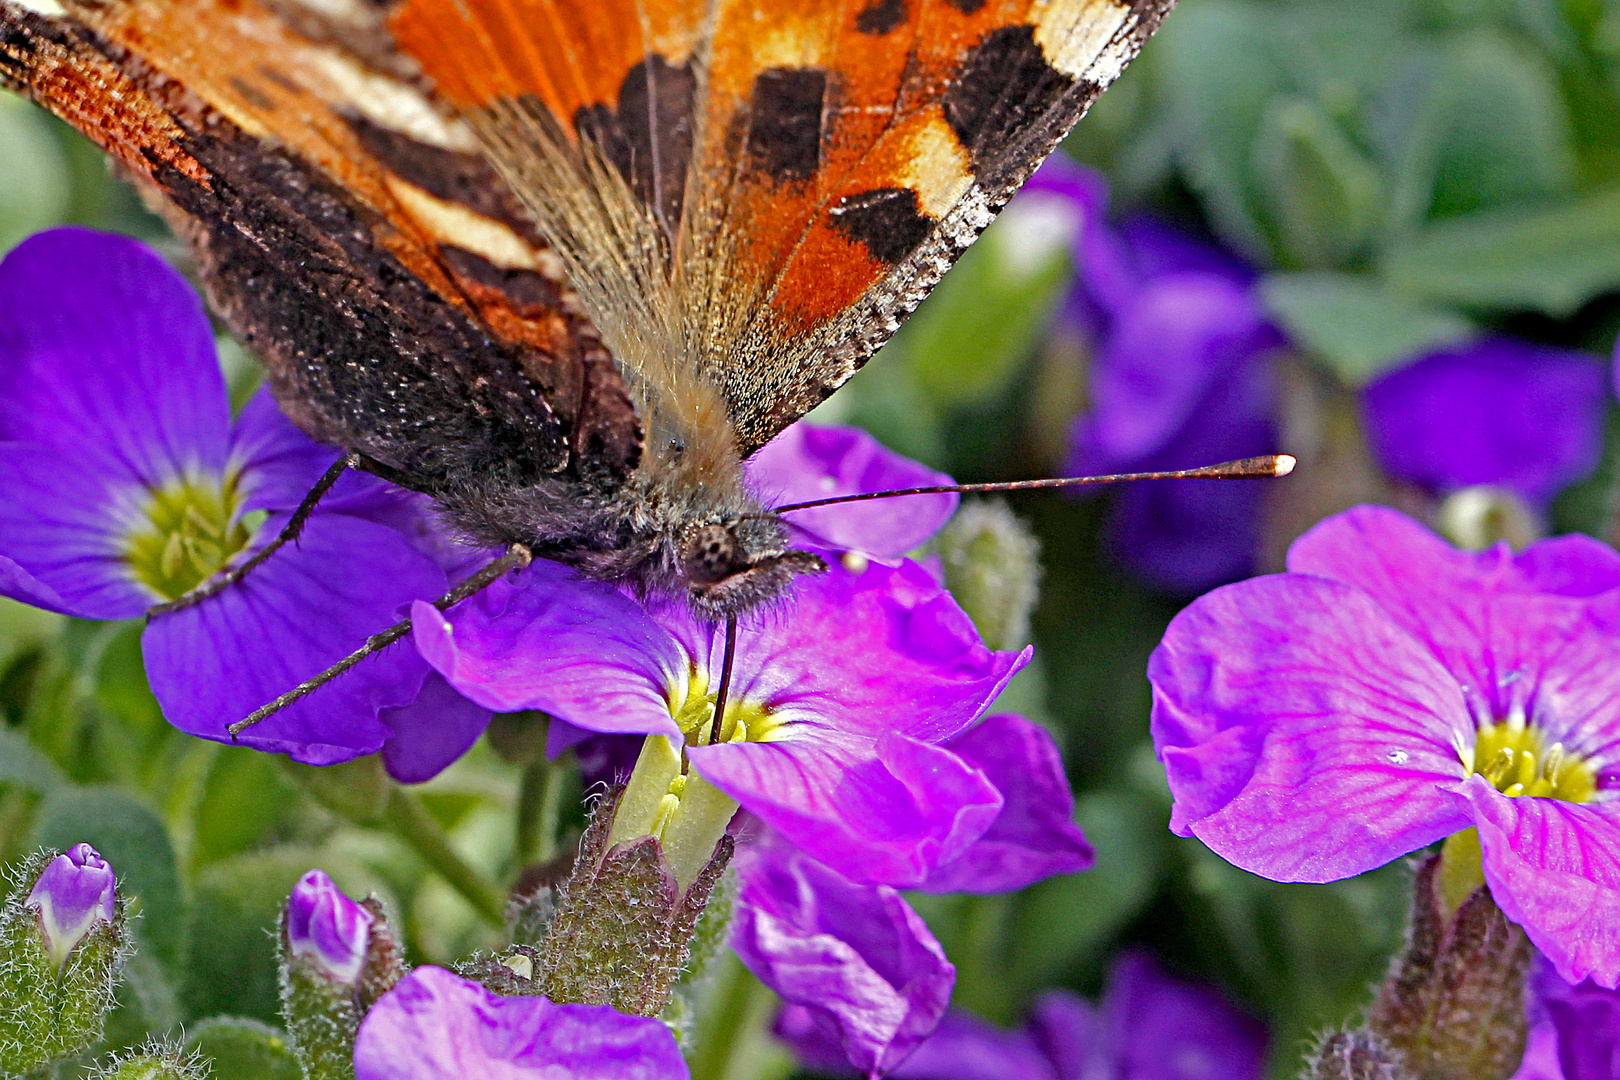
(881, 17)
(784, 123)
(966, 7)
(648, 137)
(887, 220)
(450, 175)
(1004, 84)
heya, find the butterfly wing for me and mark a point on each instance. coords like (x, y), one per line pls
(357, 240)
(753, 194)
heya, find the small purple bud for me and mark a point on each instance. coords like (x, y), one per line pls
(328, 927)
(73, 893)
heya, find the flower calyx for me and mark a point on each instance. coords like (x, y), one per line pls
(1452, 1006)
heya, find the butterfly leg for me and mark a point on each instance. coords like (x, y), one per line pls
(289, 532)
(516, 558)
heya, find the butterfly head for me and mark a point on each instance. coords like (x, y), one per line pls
(734, 566)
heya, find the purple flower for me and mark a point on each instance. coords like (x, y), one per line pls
(1389, 691)
(1510, 413)
(124, 483)
(1150, 1026)
(839, 699)
(1179, 377)
(1034, 836)
(326, 926)
(1578, 1036)
(435, 1024)
(73, 893)
(807, 462)
(856, 963)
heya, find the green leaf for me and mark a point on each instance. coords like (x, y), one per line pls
(243, 1049)
(1355, 325)
(24, 765)
(135, 843)
(1325, 195)
(1491, 130)
(1064, 923)
(1221, 73)
(245, 796)
(1550, 260)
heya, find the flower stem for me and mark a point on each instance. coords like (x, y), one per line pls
(540, 808)
(732, 1043)
(407, 819)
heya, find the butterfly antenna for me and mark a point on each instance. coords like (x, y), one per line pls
(1245, 469)
(516, 558)
(725, 680)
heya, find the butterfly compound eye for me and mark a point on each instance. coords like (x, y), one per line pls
(713, 554)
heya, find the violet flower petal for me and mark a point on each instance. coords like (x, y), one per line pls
(212, 664)
(432, 732)
(1554, 868)
(805, 463)
(1034, 836)
(889, 815)
(106, 356)
(963, 1047)
(547, 640)
(856, 957)
(60, 525)
(435, 1024)
(1161, 1027)
(1522, 416)
(1579, 1039)
(327, 927)
(280, 464)
(1305, 735)
(1490, 619)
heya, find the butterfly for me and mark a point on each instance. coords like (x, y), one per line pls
(564, 264)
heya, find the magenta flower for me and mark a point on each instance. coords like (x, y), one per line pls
(854, 960)
(1150, 1026)
(1389, 691)
(72, 894)
(839, 700)
(859, 965)
(435, 1024)
(806, 462)
(326, 927)
(1511, 413)
(124, 483)
(1034, 836)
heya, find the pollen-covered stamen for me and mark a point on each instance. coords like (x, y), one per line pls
(745, 720)
(185, 532)
(1512, 756)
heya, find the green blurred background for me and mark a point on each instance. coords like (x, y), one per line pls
(1406, 173)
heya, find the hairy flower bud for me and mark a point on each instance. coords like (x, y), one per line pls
(337, 957)
(154, 1061)
(62, 945)
(74, 892)
(1355, 1055)
(993, 567)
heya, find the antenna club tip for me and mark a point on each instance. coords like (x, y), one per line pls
(1285, 464)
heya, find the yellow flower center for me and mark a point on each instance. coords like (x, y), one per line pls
(1512, 755)
(186, 532)
(745, 721)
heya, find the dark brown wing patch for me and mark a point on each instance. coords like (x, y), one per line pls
(882, 17)
(887, 220)
(647, 135)
(1004, 84)
(784, 123)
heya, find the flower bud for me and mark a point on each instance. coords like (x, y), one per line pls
(62, 945)
(1355, 1055)
(154, 1061)
(328, 928)
(337, 957)
(74, 892)
(993, 567)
